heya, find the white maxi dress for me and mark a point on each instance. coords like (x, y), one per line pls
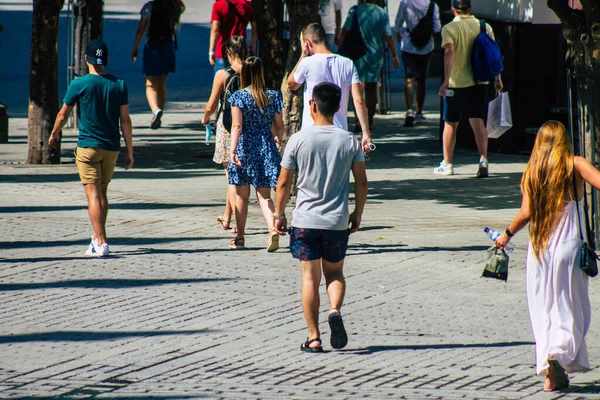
(558, 299)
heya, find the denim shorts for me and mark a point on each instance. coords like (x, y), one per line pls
(159, 59)
(469, 102)
(313, 244)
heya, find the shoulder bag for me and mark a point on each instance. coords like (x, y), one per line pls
(353, 46)
(588, 259)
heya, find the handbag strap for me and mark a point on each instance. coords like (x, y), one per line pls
(355, 26)
(590, 239)
(577, 201)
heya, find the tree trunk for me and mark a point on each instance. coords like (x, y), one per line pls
(43, 81)
(302, 13)
(269, 21)
(581, 29)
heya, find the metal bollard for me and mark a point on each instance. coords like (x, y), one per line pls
(3, 124)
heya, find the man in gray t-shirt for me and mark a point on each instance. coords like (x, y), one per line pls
(323, 156)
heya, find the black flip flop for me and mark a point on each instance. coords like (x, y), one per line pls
(306, 346)
(339, 338)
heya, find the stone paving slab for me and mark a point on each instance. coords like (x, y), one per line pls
(175, 314)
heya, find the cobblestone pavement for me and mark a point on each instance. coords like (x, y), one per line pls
(174, 313)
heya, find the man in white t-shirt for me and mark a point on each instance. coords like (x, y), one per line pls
(330, 12)
(317, 65)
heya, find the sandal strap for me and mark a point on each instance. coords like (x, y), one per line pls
(308, 342)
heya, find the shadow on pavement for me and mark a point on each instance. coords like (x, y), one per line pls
(81, 336)
(377, 349)
(118, 206)
(114, 241)
(393, 248)
(105, 283)
(493, 193)
(192, 80)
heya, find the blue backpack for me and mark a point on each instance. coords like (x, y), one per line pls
(486, 59)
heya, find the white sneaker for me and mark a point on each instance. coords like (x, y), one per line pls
(102, 251)
(420, 119)
(444, 169)
(409, 119)
(91, 248)
(97, 251)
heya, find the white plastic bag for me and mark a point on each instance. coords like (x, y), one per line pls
(499, 118)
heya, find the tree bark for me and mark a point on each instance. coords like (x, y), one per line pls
(269, 21)
(43, 85)
(302, 13)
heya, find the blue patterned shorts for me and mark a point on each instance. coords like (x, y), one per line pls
(313, 244)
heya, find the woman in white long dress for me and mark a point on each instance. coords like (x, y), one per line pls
(557, 289)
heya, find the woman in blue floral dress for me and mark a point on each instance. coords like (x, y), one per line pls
(256, 131)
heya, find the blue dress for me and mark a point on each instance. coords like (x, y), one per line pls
(256, 148)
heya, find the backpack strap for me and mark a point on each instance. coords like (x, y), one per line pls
(430, 9)
(232, 7)
(482, 27)
(230, 75)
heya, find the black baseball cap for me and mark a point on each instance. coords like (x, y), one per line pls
(97, 52)
(461, 4)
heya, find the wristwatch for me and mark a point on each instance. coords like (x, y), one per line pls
(280, 217)
(509, 233)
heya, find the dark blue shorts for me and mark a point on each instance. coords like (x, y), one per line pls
(159, 59)
(313, 244)
(470, 102)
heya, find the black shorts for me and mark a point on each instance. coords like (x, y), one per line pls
(470, 101)
(416, 65)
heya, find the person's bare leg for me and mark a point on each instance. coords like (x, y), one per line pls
(371, 99)
(242, 194)
(93, 191)
(335, 284)
(449, 140)
(421, 89)
(104, 208)
(229, 200)
(480, 132)
(266, 205)
(152, 92)
(162, 91)
(311, 278)
(408, 92)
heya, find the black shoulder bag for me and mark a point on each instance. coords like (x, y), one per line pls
(353, 46)
(588, 259)
(421, 33)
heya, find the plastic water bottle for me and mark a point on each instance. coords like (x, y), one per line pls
(208, 133)
(494, 234)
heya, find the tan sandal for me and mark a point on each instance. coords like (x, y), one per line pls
(273, 243)
(237, 243)
(556, 373)
(224, 223)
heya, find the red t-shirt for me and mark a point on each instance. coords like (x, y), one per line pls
(230, 23)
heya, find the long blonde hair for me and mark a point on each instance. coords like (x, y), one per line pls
(548, 182)
(253, 76)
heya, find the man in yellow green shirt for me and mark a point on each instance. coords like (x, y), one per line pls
(462, 94)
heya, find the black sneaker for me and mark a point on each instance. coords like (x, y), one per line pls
(155, 124)
(339, 338)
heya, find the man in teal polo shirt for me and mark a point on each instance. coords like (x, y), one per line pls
(102, 103)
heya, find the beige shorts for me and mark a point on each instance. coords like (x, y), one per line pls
(95, 165)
